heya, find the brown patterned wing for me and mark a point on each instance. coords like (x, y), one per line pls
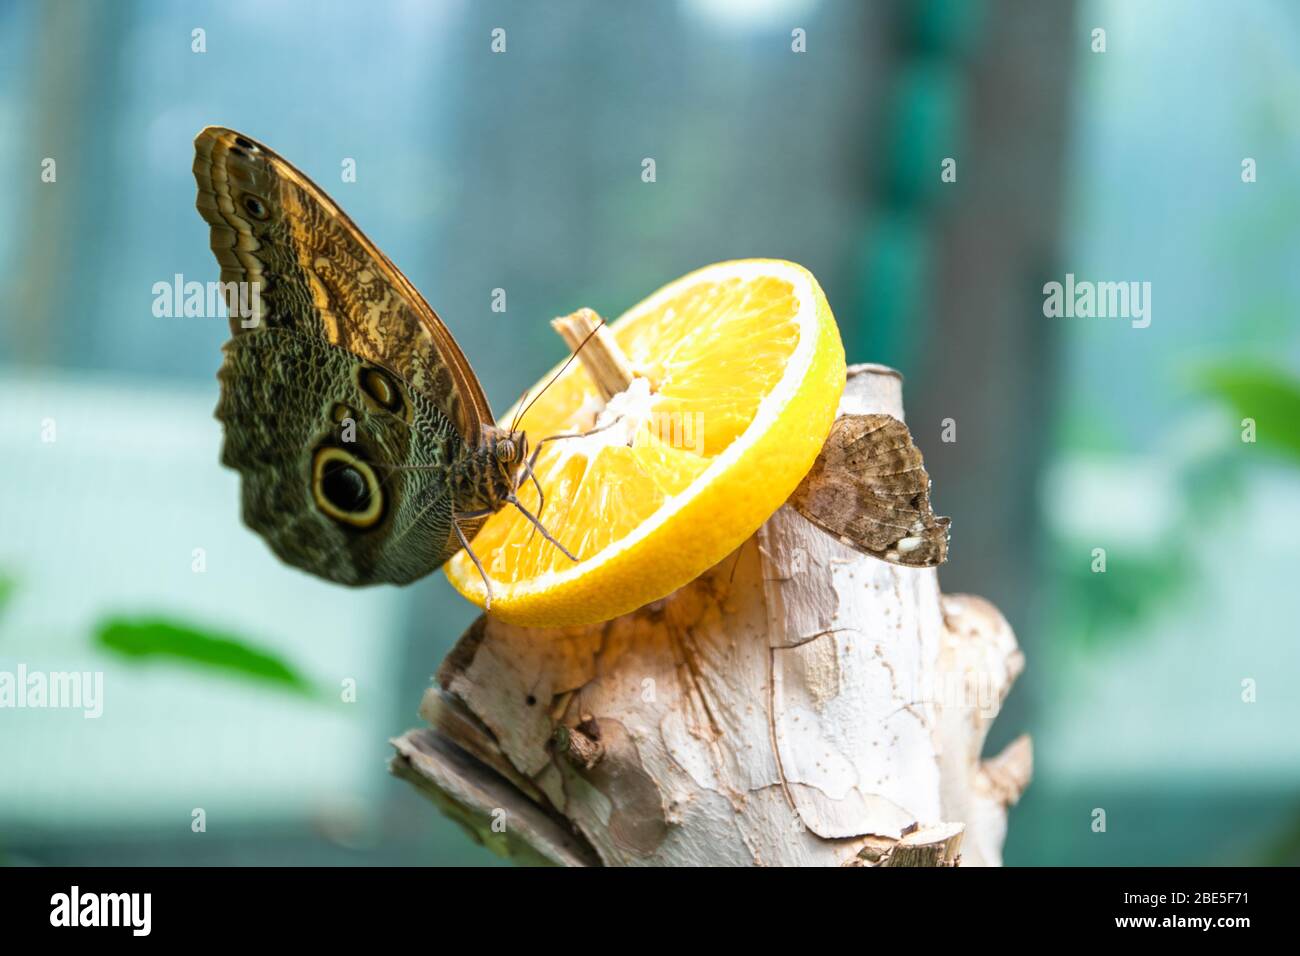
(869, 488)
(317, 273)
(343, 467)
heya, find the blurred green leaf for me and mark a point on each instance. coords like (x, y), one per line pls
(1269, 395)
(156, 637)
(1102, 608)
(7, 587)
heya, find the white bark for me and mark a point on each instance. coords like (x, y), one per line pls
(800, 703)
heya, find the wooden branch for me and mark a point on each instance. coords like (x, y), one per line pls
(800, 703)
(925, 846)
(493, 814)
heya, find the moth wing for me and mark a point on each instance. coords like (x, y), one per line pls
(869, 488)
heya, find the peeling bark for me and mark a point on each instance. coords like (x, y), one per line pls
(800, 703)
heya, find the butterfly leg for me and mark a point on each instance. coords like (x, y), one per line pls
(527, 473)
(538, 525)
(455, 523)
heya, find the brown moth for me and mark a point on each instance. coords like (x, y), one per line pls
(366, 447)
(870, 489)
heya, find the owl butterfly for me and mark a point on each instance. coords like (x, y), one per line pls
(365, 445)
(870, 489)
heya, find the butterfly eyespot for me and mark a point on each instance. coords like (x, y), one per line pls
(248, 145)
(380, 389)
(505, 450)
(256, 208)
(345, 488)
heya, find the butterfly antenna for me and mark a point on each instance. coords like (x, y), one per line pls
(519, 416)
(515, 420)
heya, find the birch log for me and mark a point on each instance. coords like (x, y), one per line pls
(798, 704)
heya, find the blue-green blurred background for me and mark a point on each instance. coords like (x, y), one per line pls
(522, 171)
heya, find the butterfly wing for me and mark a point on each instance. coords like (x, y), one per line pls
(344, 398)
(869, 487)
(343, 467)
(317, 273)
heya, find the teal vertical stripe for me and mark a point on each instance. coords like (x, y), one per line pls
(893, 274)
(924, 124)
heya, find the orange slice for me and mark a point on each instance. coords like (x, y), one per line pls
(739, 369)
